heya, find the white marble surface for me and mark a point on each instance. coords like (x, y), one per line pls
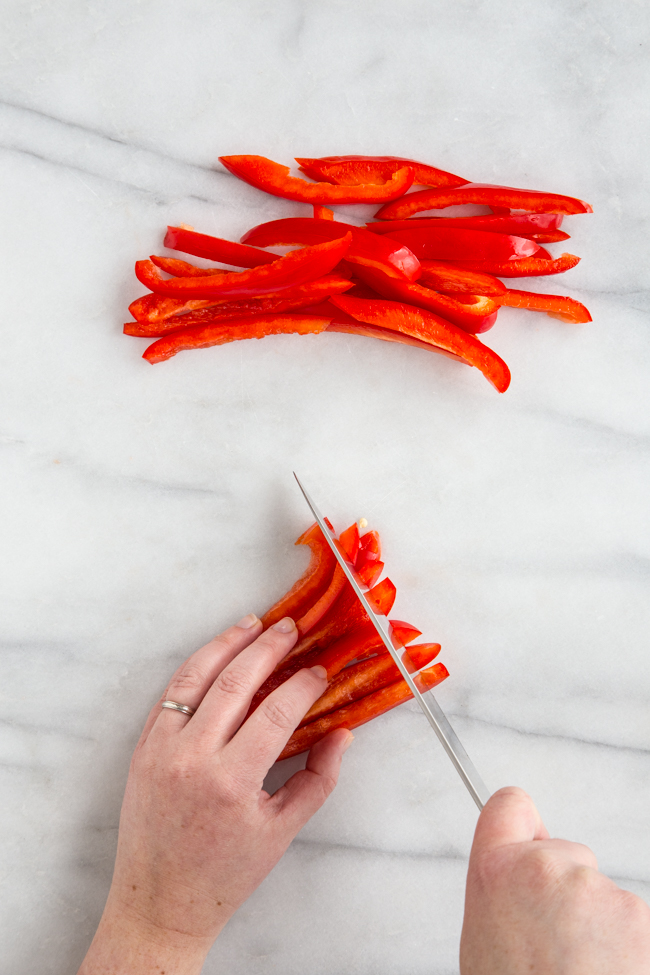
(145, 508)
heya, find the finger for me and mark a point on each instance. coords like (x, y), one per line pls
(509, 817)
(576, 853)
(226, 703)
(306, 791)
(195, 676)
(259, 741)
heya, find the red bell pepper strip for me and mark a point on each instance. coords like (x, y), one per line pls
(169, 313)
(476, 317)
(401, 633)
(322, 213)
(274, 178)
(556, 306)
(349, 540)
(351, 170)
(249, 327)
(453, 279)
(370, 572)
(285, 272)
(534, 201)
(367, 676)
(442, 244)
(215, 248)
(534, 225)
(312, 583)
(321, 606)
(526, 267)
(427, 326)
(182, 269)
(361, 711)
(394, 259)
(370, 546)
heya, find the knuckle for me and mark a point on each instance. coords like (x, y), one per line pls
(278, 713)
(191, 678)
(233, 680)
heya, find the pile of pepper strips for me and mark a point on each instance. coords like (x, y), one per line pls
(335, 631)
(432, 282)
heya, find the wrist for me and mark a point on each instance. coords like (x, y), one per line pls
(127, 945)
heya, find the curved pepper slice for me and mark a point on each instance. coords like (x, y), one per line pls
(274, 178)
(542, 227)
(453, 279)
(349, 541)
(427, 326)
(322, 213)
(351, 170)
(487, 194)
(183, 269)
(394, 258)
(249, 327)
(556, 306)
(312, 583)
(474, 318)
(367, 676)
(215, 248)
(454, 244)
(316, 612)
(525, 267)
(361, 711)
(285, 272)
(166, 314)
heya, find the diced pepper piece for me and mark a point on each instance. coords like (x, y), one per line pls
(453, 244)
(536, 225)
(321, 606)
(426, 326)
(293, 269)
(322, 213)
(476, 317)
(351, 170)
(274, 178)
(534, 201)
(557, 306)
(215, 248)
(368, 676)
(349, 539)
(249, 327)
(526, 267)
(361, 711)
(370, 572)
(451, 278)
(312, 583)
(155, 310)
(370, 546)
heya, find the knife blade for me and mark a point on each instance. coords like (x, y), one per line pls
(432, 710)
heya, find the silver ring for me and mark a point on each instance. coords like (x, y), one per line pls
(174, 706)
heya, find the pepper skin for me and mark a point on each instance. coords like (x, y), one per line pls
(525, 267)
(556, 306)
(533, 201)
(453, 244)
(274, 178)
(361, 711)
(352, 170)
(215, 248)
(451, 278)
(312, 583)
(285, 272)
(250, 327)
(427, 326)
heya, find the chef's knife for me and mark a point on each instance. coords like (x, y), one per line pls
(434, 713)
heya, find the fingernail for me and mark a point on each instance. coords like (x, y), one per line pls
(319, 670)
(286, 625)
(247, 622)
(348, 741)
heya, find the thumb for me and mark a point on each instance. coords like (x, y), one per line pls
(509, 816)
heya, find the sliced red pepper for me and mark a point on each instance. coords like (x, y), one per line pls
(526, 267)
(370, 572)
(361, 711)
(534, 225)
(312, 583)
(183, 269)
(367, 676)
(370, 546)
(249, 327)
(393, 258)
(474, 318)
(451, 278)
(274, 178)
(321, 606)
(155, 310)
(349, 539)
(452, 244)
(322, 213)
(351, 170)
(533, 201)
(427, 326)
(215, 248)
(556, 306)
(285, 272)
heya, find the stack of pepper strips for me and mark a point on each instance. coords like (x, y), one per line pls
(432, 282)
(334, 631)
